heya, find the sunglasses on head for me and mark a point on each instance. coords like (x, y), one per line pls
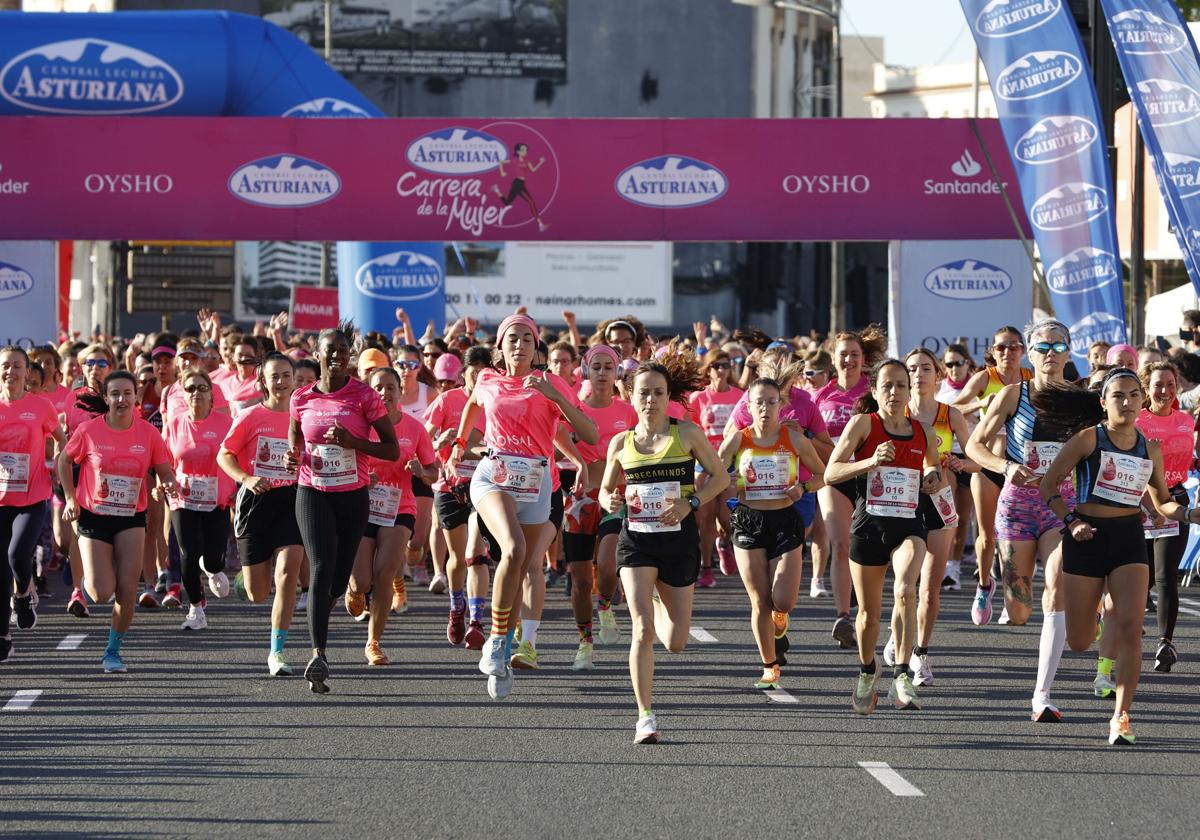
(407, 364)
(813, 374)
(1047, 346)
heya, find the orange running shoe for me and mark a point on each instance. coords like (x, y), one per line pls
(780, 620)
(356, 603)
(375, 654)
(399, 597)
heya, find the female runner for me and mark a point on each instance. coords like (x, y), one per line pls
(710, 409)
(960, 367)
(418, 389)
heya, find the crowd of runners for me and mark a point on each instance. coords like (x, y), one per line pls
(331, 471)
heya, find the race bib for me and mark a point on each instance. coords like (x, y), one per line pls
(715, 417)
(943, 501)
(385, 505)
(1039, 454)
(766, 477)
(518, 475)
(1122, 478)
(14, 472)
(269, 460)
(646, 503)
(198, 492)
(893, 492)
(1169, 529)
(332, 466)
(117, 495)
(465, 470)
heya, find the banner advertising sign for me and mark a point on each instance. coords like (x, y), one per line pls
(551, 180)
(1051, 122)
(1159, 61)
(491, 38)
(313, 309)
(591, 279)
(27, 293)
(374, 278)
(943, 292)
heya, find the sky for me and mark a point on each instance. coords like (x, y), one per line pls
(915, 32)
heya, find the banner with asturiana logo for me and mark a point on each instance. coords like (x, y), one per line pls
(1051, 121)
(1159, 61)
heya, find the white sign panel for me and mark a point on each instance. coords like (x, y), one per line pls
(944, 291)
(595, 280)
(27, 284)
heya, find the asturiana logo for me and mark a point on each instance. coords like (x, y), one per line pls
(1002, 18)
(968, 280)
(671, 181)
(326, 107)
(1168, 102)
(284, 181)
(1082, 270)
(14, 281)
(456, 151)
(90, 76)
(1068, 206)
(1055, 138)
(400, 275)
(1184, 172)
(1141, 32)
(1037, 74)
(1097, 326)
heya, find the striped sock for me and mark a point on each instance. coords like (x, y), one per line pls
(458, 600)
(603, 602)
(500, 620)
(398, 587)
(478, 607)
(585, 632)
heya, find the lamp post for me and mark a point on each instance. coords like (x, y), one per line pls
(328, 52)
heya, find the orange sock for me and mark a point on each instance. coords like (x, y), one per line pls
(500, 620)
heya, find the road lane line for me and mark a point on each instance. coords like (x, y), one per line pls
(72, 642)
(22, 700)
(781, 696)
(702, 635)
(1188, 610)
(890, 779)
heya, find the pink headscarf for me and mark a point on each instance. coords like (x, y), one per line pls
(600, 350)
(513, 321)
(1118, 349)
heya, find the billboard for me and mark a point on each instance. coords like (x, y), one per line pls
(487, 38)
(27, 293)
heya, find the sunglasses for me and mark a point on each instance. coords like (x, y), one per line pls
(1001, 348)
(103, 363)
(720, 365)
(247, 361)
(407, 364)
(196, 389)
(1046, 347)
(429, 355)
(954, 364)
(813, 374)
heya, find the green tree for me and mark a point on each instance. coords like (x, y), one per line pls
(1190, 8)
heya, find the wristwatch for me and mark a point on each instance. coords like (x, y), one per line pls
(694, 501)
(1069, 519)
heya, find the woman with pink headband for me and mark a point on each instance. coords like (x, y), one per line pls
(511, 488)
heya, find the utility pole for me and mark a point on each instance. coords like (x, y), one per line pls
(324, 281)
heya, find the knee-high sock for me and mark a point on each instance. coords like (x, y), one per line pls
(1050, 648)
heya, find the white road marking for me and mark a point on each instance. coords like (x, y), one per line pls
(22, 700)
(72, 642)
(702, 635)
(890, 779)
(781, 696)
(1188, 610)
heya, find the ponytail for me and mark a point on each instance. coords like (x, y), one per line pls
(1066, 409)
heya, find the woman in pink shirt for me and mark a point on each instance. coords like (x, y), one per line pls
(189, 355)
(393, 512)
(241, 388)
(200, 511)
(114, 452)
(329, 439)
(510, 488)
(26, 420)
(264, 521)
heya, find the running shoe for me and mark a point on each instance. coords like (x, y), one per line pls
(500, 685)
(1043, 710)
(375, 655)
(172, 599)
(864, 698)
(646, 731)
(147, 600)
(317, 674)
(218, 584)
(76, 606)
(420, 575)
(567, 585)
(57, 561)
(817, 589)
(1004, 619)
(1120, 732)
(278, 666)
(1104, 685)
(41, 585)
(889, 652)
(456, 627)
(952, 580)
(843, 632)
(728, 561)
(779, 620)
(160, 585)
(1166, 656)
(475, 636)
(903, 695)
(583, 657)
(1100, 626)
(25, 609)
(356, 604)
(525, 658)
(113, 663)
(769, 678)
(981, 607)
(610, 633)
(493, 661)
(239, 586)
(922, 673)
(5, 649)
(439, 584)
(399, 598)
(195, 619)
(707, 579)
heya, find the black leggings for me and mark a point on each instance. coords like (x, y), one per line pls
(200, 533)
(331, 527)
(1165, 554)
(20, 531)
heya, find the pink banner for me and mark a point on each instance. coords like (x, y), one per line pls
(313, 308)
(419, 179)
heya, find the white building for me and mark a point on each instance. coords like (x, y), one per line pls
(289, 263)
(941, 90)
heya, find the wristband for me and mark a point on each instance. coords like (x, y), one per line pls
(459, 442)
(1052, 498)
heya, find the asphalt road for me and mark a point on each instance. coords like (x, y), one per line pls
(198, 741)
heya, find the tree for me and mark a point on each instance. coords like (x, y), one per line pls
(1190, 8)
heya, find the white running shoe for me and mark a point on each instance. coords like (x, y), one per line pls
(492, 661)
(646, 731)
(439, 584)
(1043, 710)
(817, 589)
(500, 685)
(952, 581)
(610, 633)
(302, 602)
(278, 666)
(420, 575)
(889, 651)
(218, 584)
(1104, 685)
(583, 658)
(922, 673)
(195, 619)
